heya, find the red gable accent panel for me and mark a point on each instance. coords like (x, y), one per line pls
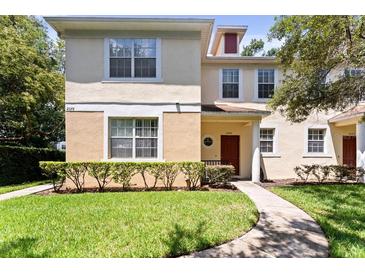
(230, 43)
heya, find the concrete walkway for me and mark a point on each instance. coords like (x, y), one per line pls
(283, 230)
(24, 192)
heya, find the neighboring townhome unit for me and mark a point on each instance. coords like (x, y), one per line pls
(140, 89)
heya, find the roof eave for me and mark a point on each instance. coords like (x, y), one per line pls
(241, 59)
(236, 113)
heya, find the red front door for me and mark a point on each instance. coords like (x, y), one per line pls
(349, 150)
(230, 151)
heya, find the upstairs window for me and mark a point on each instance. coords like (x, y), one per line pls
(230, 83)
(230, 43)
(266, 83)
(145, 58)
(132, 58)
(316, 140)
(120, 57)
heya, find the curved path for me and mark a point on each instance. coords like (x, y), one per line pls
(283, 230)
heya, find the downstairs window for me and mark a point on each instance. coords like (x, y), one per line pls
(134, 138)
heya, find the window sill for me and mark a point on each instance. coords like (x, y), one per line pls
(134, 160)
(270, 155)
(308, 155)
(132, 80)
(225, 100)
(256, 100)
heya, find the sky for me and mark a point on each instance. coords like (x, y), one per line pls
(258, 26)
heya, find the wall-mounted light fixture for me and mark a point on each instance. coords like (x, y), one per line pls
(178, 109)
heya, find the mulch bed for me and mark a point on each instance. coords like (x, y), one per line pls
(225, 188)
(295, 182)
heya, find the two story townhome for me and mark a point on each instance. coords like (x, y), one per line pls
(163, 90)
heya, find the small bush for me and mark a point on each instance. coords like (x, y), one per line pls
(170, 171)
(339, 173)
(304, 171)
(193, 171)
(360, 174)
(101, 171)
(156, 171)
(326, 172)
(76, 171)
(219, 174)
(122, 173)
(321, 173)
(55, 171)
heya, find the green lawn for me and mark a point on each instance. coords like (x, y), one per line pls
(338, 209)
(130, 224)
(9, 188)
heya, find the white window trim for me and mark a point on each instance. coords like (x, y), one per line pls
(132, 111)
(107, 77)
(256, 88)
(240, 86)
(327, 140)
(133, 137)
(276, 152)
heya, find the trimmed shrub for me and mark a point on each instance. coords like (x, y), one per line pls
(101, 171)
(193, 171)
(169, 171)
(219, 174)
(122, 173)
(156, 171)
(359, 174)
(339, 173)
(142, 168)
(21, 164)
(76, 171)
(321, 173)
(304, 171)
(55, 171)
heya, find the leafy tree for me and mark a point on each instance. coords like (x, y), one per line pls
(31, 83)
(255, 46)
(271, 52)
(314, 48)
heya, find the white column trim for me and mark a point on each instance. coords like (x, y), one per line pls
(360, 146)
(255, 168)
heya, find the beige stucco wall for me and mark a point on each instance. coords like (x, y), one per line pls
(84, 136)
(84, 141)
(180, 63)
(210, 80)
(216, 129)
(181, 137)
(338, 133)
(292, 145)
